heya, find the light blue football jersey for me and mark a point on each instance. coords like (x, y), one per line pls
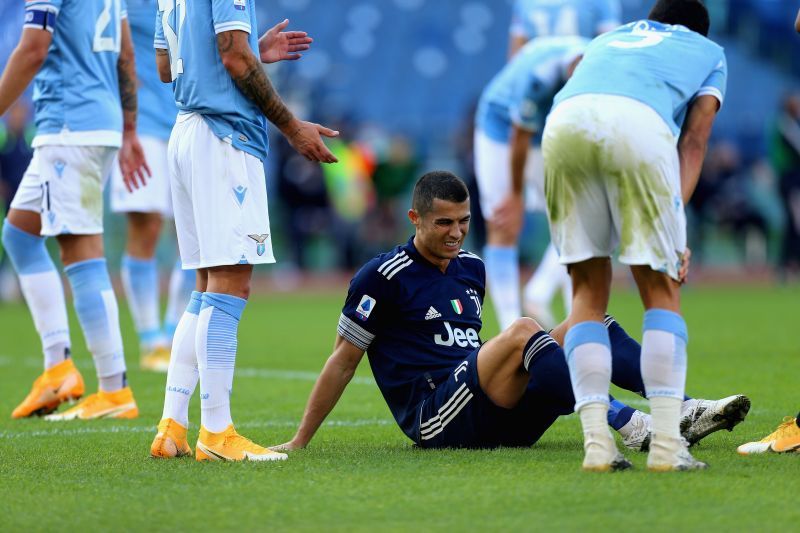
(157, 109)
(522, 93)
(200, 82)
(546, 18)
(663, 66)
(76, 92)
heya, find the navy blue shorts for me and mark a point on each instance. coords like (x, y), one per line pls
(458, 414)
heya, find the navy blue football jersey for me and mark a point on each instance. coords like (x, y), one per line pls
(415, 322)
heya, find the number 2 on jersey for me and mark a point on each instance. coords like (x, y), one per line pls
(173, 35)
(104, 43)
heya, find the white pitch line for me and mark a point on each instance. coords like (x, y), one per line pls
(263, 373)
(58, 432)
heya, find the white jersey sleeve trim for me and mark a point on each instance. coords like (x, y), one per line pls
(160, 45)
(713, 91)
(229, 26)
(42, 6)
(353, 333)
(79, 138)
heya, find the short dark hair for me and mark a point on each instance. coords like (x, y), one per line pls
(439, 184)
(690, 13)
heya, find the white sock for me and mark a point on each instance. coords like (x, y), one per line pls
(182, 375)
(588, 351)
(502, 279)
(594, 421)
(665, 416)
(44, 294)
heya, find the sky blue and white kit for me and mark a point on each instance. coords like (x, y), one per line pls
(544, 18)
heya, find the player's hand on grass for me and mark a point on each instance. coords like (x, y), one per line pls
(683, 272)
(286, 447)
(278, 45)
(132, 163)
(509, 215)
(306, 138)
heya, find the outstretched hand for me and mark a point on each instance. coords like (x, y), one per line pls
(278, 45)
(286, 447)
(306, 138)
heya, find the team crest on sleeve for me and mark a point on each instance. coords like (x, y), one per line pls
(240, 4)
(365, 306)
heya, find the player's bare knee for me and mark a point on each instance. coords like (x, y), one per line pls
(522, 329)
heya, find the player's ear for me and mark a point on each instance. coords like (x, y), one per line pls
(414, 217)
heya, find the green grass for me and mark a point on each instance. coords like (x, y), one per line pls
(362, 473)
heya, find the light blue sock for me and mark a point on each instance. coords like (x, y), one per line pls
(216, 343)
(140, 281)
(588, 351)
(502, 279)
(44, 293)
(96, 307)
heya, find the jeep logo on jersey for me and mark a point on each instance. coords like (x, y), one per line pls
(365, 306)
(459, 337)
(260, 247)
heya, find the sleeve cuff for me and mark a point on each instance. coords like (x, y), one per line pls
(160, 45)
(353, 333)
(230, 26)
(713, 91)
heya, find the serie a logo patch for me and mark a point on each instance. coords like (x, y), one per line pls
(365, 306)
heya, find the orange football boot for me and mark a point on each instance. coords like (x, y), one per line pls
(102, 404)
(170, 440)
(58, 384)
(230, 446)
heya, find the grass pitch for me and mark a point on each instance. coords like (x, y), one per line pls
(362, 473)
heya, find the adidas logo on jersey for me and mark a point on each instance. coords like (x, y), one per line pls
(432, 313)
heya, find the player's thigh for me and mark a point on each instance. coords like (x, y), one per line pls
(492, 172)
(28, 200)
(155, 196)
(456, 414)
(72, 179)
(577, 205)
(645, 192)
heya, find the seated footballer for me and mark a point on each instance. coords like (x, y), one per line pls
(416, 312)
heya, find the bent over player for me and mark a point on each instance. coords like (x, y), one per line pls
(210, 52)
(417, 311)
(80, 56)
(615, 180)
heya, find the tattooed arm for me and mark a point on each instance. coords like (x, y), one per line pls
(250, 77)
(132, 162)
(162, 64)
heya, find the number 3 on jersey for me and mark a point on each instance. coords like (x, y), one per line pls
(173, 35)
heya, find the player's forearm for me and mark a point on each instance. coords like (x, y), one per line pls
(517, 42)
(248, 74)
(326, 393)
(20, 70)
(797, 22)
(692, 152)
(126, 72)
(162, 64)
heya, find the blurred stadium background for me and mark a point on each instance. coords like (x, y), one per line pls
(400, 79)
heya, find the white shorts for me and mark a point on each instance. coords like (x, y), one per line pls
(493, 172)
(65, 184)
(612, 179)
(219, 197)
(155, 197)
